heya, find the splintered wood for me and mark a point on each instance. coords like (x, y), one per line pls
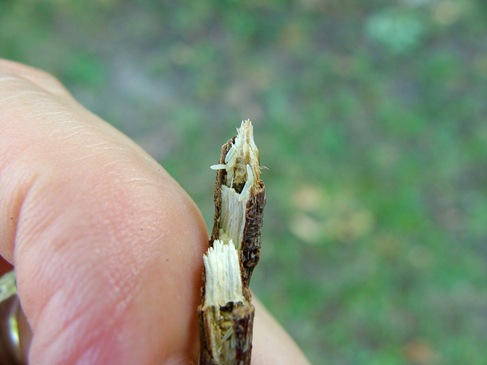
(226, 313)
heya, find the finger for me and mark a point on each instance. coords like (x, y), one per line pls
(272, 345)
(106, 245)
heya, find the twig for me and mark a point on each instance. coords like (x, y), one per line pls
(226, 313)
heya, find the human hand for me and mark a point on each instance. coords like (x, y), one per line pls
(107, 247)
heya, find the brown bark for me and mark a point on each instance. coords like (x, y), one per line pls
(236, 319)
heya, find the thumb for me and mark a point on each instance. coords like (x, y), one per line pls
(106, 245)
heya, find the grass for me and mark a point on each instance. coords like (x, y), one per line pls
(370, 118)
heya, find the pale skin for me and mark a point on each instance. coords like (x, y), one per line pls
(106, 245)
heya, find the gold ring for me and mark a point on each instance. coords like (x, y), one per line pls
(10, 315)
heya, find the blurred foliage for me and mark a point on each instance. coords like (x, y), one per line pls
(370, 118)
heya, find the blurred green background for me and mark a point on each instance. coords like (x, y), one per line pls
(370, 116)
